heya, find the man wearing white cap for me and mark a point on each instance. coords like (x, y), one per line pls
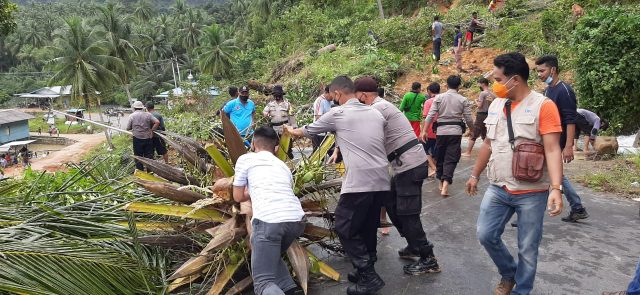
(142, 124)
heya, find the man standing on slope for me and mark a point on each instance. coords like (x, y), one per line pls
(563, 96)
(360, 135)
(519, 116)
(407, 158)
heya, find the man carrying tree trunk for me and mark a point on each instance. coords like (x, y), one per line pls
(142, 125)
(404, 202)
(360, 135)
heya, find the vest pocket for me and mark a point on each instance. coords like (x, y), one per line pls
(525, 127)
(492, 123)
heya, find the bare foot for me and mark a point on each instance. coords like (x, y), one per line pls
(466, 154)
(444, 191)
(440, 185)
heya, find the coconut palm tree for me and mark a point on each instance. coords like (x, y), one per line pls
(117, 34)
(33, 35)
(190, 32)
(81, 61)
(144, 10)
(215, 54)
(151, 79)
(154, 45)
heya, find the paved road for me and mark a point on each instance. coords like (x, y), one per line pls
(583, 258)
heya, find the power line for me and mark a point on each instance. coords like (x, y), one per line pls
(26, 73)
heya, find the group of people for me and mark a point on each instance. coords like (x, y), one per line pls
(373, 136)
(143, 123)
(459, 41)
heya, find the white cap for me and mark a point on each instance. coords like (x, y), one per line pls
(137, 105)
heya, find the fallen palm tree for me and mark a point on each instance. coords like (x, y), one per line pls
(221, 264)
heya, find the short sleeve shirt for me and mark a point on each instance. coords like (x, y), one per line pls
(270, 186)
(399, 132)
(161, 119)
(437, 30)
(140, 124)
(485, 99)
(321, 106)
(414, 101)
(425, 112)
(359, 132)
(240, 114)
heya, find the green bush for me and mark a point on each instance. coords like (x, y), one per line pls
(607, 47)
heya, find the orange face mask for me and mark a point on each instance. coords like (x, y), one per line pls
(500, 89)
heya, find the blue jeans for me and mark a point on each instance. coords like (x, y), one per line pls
(570, 193)
(634, 286)
(495, 211)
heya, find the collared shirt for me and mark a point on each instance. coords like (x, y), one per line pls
(279, 112)
(398, 132)
(321, 106)
(591, 117)
(451, 107)
(270, 187)
(359, 132)
(140, 123)
(241, 115)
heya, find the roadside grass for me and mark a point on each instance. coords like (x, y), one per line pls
(40, 124)
(621, 176)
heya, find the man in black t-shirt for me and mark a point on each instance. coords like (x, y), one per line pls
(565, 99)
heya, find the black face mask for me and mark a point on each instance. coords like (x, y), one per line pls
(244, 98)
(278, 98)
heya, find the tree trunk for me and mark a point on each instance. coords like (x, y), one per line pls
(636, 143)
(381, 9)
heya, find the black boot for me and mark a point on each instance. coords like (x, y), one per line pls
(354, 276)
(369, 283)
(426, 264)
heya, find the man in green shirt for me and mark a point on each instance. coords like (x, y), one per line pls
(411, 106)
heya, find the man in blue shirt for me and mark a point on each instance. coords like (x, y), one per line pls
(565, 99)
(241, 111)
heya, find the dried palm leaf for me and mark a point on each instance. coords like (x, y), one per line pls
(232, 139)
(170, 192)
(223, 278)
(240, 286)
(300, 263)
(167, 171)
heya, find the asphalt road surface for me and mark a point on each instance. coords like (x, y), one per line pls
(595, 255)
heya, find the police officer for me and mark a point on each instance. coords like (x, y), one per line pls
(360, 135)
(280, 112)
(451, 108)
(408, 160)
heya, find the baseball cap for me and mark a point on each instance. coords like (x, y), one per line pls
(244, 89)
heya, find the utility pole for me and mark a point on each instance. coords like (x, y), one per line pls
(381, 9)
(175, 81)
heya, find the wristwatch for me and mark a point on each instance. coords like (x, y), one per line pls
(558, 187)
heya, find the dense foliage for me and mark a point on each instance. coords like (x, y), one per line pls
(607, 66)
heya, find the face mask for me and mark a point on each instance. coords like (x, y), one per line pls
(549, 79)
(278, 98)
(500, 89)
(244, 98)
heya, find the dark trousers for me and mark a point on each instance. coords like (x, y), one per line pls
(143, 148)
(447, 156)
(404, 204)
(437, 44)
(316, 141)
(357, 221)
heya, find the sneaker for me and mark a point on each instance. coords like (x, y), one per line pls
(408, 253)
(576, 215)
(422, 266)
(504, 287)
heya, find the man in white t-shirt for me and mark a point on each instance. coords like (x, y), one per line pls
(321, 106)
(277, 214)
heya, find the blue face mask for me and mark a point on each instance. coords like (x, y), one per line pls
(549, 80)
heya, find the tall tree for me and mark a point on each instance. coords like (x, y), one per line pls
(381, 9)
(154, 45)
(81, 61)
(33, 35)
(144, 10)
(191, 31)
(118, 36)
(215, 56)
(7, 21)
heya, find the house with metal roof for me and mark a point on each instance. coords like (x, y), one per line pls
(44, 96)
(14, 125)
